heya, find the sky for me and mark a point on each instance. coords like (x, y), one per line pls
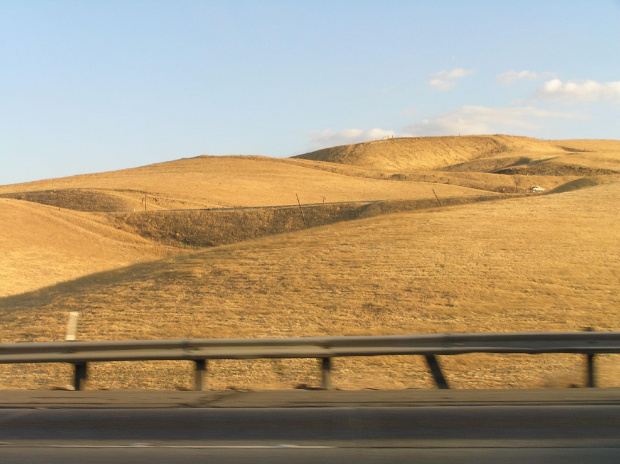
(92, 86)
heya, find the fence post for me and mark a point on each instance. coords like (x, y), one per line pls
(200, 375)
(80, 376)
(326, 373)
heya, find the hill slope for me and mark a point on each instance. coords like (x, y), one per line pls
(393, 169)
(42, 246)
(526, 263)
(489, 153)
(232, 181)
(547, 263)
(422, 153)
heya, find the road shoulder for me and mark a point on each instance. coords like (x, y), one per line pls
(302, 398)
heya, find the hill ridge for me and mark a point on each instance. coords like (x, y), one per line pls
(411, 153)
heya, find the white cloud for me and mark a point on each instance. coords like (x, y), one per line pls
(513, 76)
(456, 73)
(588, 90)
(444, 80)
(327, 138)
(471, 120)
(441, 84)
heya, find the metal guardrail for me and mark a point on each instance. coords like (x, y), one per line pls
(324, 348)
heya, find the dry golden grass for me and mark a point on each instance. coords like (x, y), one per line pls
(205, 228)
(479, 154)
(415, 153)
(548, 263)
(595, 154)
(42, 246)
(534, 263)
(47, 245)
(383, 170)
(236, 181)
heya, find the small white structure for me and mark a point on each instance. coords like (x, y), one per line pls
(536, 189)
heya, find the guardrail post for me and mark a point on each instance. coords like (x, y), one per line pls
(590, 358)
(200, 375)
(80, 376)
(326, 373)
(433, 365)
(591, 378)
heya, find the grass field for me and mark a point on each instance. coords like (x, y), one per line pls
(514, 263)
(42, 246)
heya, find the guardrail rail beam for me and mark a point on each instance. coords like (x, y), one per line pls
(79, 354)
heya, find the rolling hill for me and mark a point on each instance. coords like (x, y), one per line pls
(490, 153)
(415, 153)
(210, 182)
(382, 170)
(42, 246)
(407, 264)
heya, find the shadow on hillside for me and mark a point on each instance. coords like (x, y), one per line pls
(208, 229)
(73, 199)
(576, 184)
(100, 281)
(246, 225)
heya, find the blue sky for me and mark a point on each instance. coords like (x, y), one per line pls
(91, 86)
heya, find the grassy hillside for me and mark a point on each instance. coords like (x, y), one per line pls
(385, 246)
(393, 169)
(41, 246)
(526, 264)
(207, 182)
(206, 228)
(415, 153)
(492, 154)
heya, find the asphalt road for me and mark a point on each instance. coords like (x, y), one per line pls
(434, 427)
(536, 433)
(311, 456)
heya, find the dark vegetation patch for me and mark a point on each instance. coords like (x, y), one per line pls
(490, 165)
(553, 169)
(75, 199)
(574, 150)
(205, 228)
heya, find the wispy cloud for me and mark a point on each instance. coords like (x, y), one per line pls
(511, 77)
(327, 138)
(588, 90)
(456, 73)
(445, 80)
(471, 120)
